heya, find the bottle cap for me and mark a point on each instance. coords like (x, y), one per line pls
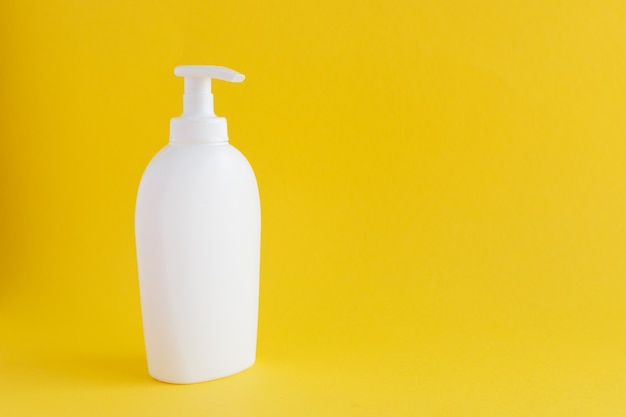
(198, 123)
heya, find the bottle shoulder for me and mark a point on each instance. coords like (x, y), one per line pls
(187, 156)
(198, 163)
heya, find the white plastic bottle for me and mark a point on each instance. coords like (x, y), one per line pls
(197, 229)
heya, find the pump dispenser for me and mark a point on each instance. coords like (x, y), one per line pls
(197, 229)
(198, 123)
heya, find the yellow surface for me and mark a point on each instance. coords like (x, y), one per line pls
(443, 187)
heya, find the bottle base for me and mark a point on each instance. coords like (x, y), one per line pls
(197, 379)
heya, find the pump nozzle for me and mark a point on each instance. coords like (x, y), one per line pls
(209, 71)
(198, 123)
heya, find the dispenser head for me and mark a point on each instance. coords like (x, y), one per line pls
(198, 123)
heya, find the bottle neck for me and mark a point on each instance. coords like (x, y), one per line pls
(198, 129)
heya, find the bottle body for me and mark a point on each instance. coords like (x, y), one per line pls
(197, 228)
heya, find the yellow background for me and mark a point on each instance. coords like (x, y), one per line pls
(443, 194)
